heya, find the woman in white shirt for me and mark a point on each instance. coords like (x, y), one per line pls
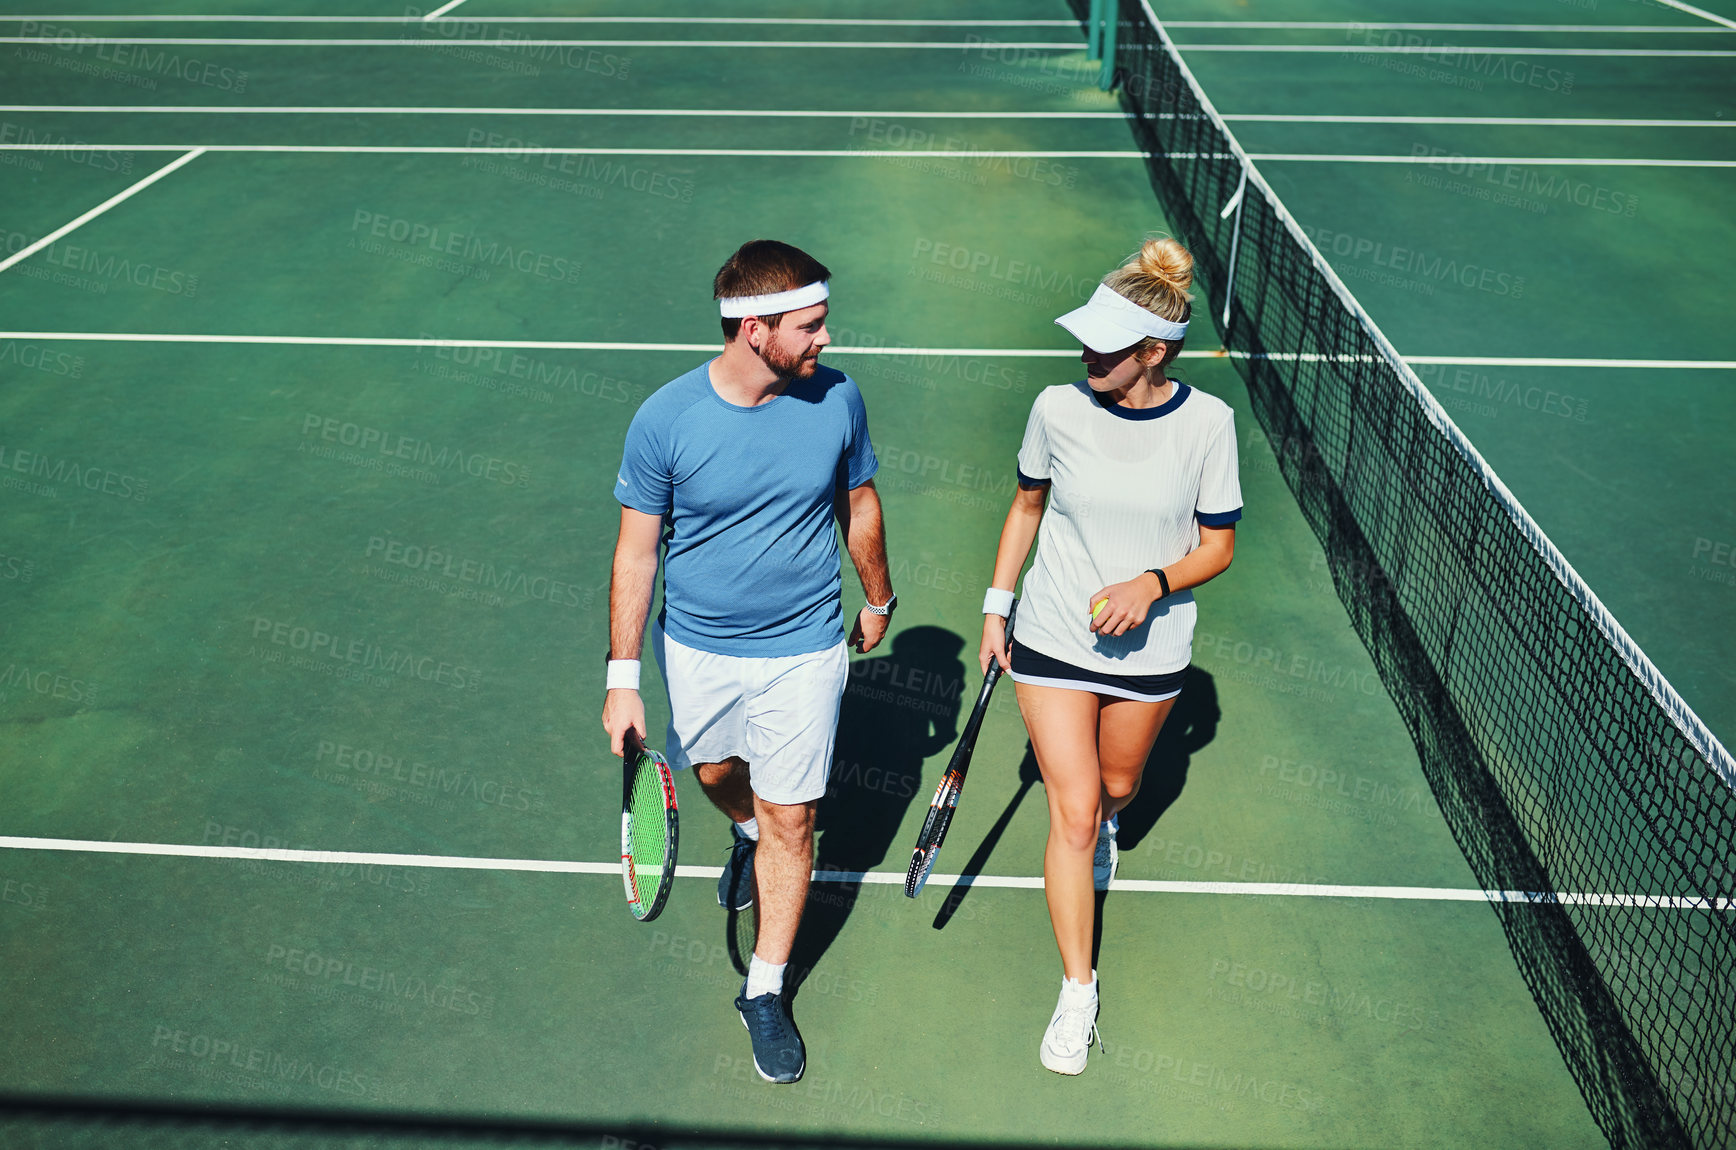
(1127, 483)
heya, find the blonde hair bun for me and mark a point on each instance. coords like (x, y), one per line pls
(1166, 261)
(1156, 277)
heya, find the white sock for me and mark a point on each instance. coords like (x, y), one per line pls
(749, 829)
(765, 978)
(1074, 992)
(1113, 824)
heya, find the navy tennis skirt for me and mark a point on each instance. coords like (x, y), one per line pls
(1041, 670)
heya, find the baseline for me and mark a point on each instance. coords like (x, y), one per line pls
(877, 878)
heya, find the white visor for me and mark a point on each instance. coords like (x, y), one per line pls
(1110, 322)
(741, 306)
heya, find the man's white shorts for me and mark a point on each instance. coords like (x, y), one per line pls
(780, 715)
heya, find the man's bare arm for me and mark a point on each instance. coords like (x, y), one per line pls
(632, 583)
(865, 538)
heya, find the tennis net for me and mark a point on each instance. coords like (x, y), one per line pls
(1568, 769)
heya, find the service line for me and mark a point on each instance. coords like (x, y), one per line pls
(311, 42)
(923, 352)
(829, 114)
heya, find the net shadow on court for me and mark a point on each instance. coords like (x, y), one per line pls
(87, 1124)
(1556, 767)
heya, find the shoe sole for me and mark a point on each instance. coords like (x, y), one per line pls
(800, 1070)
(1060, 1067)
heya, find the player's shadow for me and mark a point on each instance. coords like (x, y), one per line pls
(1192, 723)
(900, 707)
(1029, 776)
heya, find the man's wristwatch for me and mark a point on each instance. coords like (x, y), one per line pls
(886, 609)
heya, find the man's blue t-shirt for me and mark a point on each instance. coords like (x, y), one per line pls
(750, 563)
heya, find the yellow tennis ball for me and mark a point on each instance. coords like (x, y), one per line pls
(1101, 603)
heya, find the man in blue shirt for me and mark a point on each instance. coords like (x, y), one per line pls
(739, 468)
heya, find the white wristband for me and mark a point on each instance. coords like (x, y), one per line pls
(997, 602)
(623, 675)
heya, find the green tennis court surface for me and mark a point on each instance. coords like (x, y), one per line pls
(284, 571)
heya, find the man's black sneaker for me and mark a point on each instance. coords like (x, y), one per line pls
(735, 885)
(778, 1053)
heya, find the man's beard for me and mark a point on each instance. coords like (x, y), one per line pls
(788, 365)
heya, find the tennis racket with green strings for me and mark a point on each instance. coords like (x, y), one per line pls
(650, 827)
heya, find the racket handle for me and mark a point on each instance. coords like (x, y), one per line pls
(632, 746)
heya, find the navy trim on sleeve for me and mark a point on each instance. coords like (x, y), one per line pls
(1217, 518)
(1028, 482)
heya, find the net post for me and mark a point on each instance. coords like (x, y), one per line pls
(1234, 205)
(1094, 31)
(1111, 19)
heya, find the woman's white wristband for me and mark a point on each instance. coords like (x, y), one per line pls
(997, 602)
(623, 675)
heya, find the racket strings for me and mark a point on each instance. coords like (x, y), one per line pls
(649, 839)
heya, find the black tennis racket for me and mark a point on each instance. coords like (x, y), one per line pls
(945, 801)
(650, 828)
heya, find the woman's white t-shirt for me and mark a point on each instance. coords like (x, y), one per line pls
(1129, 490)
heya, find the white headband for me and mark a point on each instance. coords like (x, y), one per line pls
(1123, 312)
(741, 306)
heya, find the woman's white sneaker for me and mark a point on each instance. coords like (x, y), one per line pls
(1107, 858)
(1073, 1028)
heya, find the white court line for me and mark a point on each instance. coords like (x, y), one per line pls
(178, 18)
(1487, 360)
(27, 252)
(1389, 26)
(442, 10)
(826, 114)
(1495, 361)
(526, 344)
(1490, 121)
(415, 110)
(458, 150)
(1700, 12)
(875, 878)
(840, 22)
(1516, 161)
(311, 42)
(924, 352)
(840, 153)
(1446, 50)
(1070, 46)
